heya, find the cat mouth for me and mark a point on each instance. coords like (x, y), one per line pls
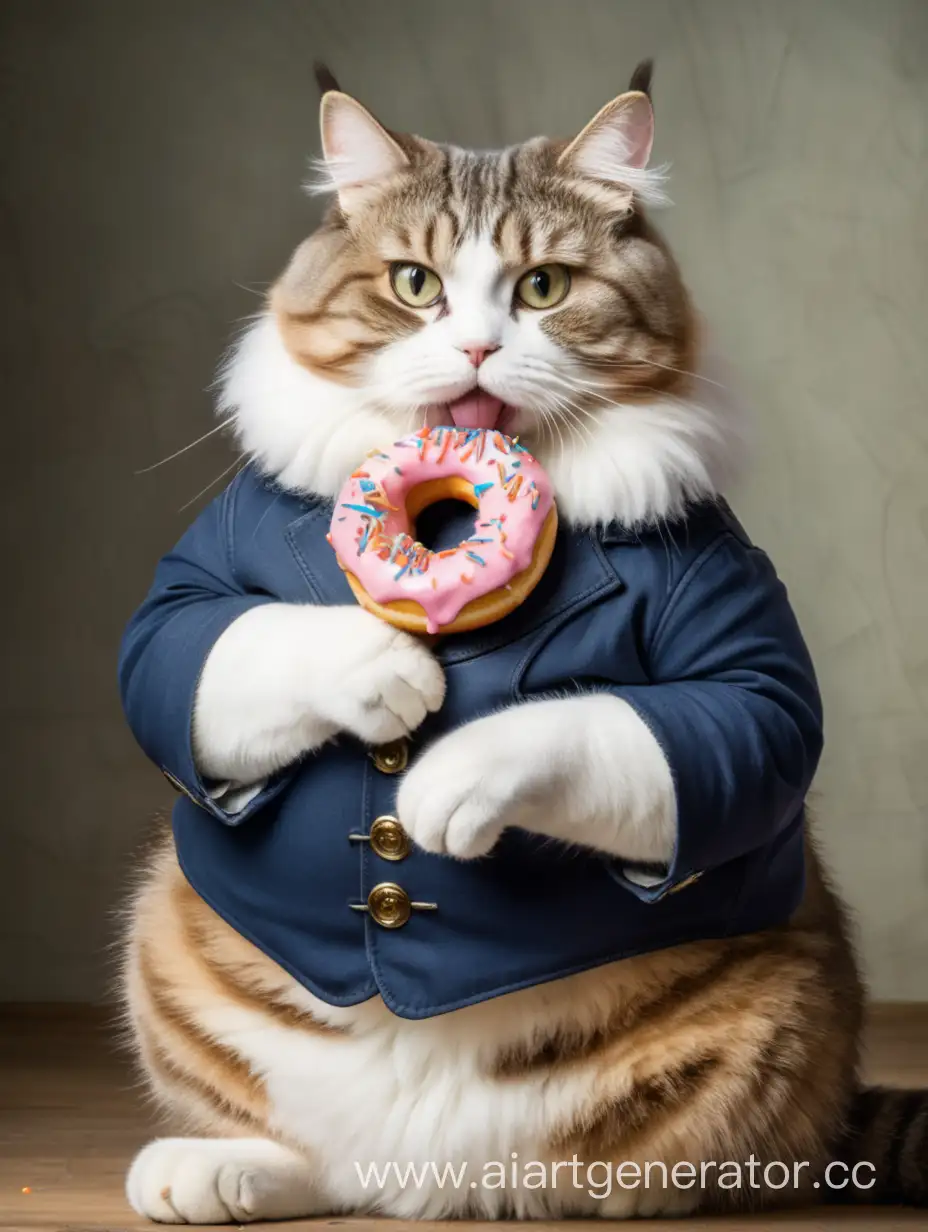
(478, 409)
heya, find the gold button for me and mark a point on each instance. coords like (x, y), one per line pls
(392, 758)
(388, 839)
(389, 905)
(685, 883)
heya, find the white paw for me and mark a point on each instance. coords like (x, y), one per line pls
(384, 680)
(462, 793)
(218, 1180)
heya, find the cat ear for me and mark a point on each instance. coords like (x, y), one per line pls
(615, 146)
(358, 152)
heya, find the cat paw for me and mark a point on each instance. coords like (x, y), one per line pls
(462, 793)
(387, 683)
(215, 1180)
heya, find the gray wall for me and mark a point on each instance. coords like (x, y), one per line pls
(152, 156)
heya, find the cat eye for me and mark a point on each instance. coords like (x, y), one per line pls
(543, 287)
(415, 285)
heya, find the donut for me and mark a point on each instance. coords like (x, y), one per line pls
(482, 579)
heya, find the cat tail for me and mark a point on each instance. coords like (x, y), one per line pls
(886, 1141)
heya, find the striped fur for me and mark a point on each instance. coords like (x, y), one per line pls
(712, 1051)
(627, 323)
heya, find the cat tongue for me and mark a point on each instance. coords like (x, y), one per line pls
(475, 410)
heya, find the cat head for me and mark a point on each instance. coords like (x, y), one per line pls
(523, 289)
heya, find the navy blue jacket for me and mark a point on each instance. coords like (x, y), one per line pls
(689, 624)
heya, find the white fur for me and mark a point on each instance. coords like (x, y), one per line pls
(284, 678)
(209, 1180)
(307, 432)
(586, 770)
(390, 1089)
(605, 162)
(636, 463)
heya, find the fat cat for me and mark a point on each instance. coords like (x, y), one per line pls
(634, 957)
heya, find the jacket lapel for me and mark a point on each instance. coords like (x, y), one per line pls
(306, 536)
(578, 575)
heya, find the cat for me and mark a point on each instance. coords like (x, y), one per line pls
(528, 290)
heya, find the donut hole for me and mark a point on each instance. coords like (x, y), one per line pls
(445, 524)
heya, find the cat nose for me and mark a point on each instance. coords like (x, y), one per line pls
(477, 352)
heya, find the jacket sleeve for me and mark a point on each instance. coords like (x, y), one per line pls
(194, 598)
(735, 707)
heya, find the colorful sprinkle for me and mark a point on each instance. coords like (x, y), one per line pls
(367, 509)
(397, 469)
(473, 556)
(480, 488)
(465, 578)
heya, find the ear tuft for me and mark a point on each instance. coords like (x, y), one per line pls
(325, 78)
(641, 78)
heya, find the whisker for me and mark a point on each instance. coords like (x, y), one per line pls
(583, 386)
(575, 422)
(253, 290)
(572, 421)
(665, 396)
(213, 482)
(177, 453)
(653, 363)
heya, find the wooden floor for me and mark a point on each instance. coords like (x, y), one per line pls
(71, 1118)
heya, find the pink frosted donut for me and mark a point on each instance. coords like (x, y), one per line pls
(482, 579)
